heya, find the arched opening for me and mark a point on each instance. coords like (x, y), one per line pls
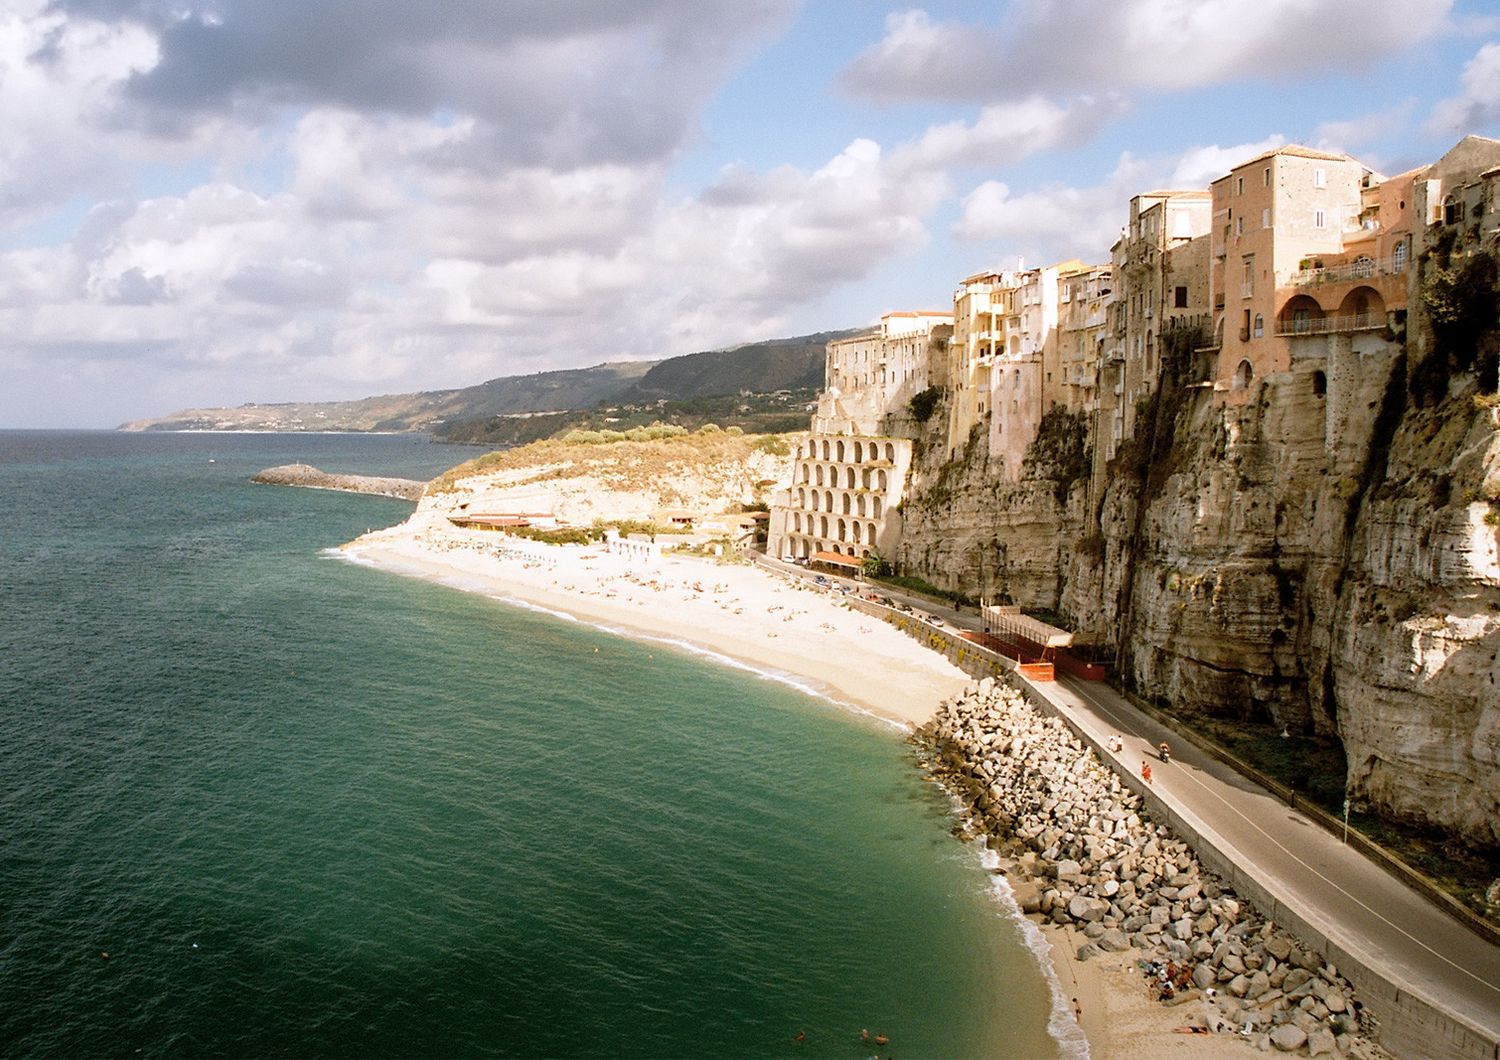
(890, 452)
(814, 501)
(825, 448)
(846, 504)
(1242, 376)
(1320, 384)
(882, 480)
(1150, 353)
(859, 452)
(824, 520)
(866, 478)
(797, 522)
(861, 505)
(1299, 316)
(843, 530)
(820, 474)
(801, 497)
(806, 472)
(828, 500)
(875, 507)
(839, 450)
(1363, 307)
(1260, 326)
(858, 533)
(849, 478)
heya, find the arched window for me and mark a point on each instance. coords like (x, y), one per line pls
(820, 474)
(858, 533)
(859, 452)
(1398, 257)
(814, 501)
(825, 448)
(801, 497)
(797, 522)
(849, 478)
(882, 480)
(1242, 376)
(1260, 325)
(866, 478)
(875, 507)
(828, 500)
(861, 504)
(839, 449)
(843, 530)
(846, 504)
(824, 520)
(890, 452)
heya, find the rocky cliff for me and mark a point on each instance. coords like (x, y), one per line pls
(1321, 557)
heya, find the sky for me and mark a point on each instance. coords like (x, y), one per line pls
(210, 202)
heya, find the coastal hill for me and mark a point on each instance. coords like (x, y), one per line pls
(460, 414)
(590, 476)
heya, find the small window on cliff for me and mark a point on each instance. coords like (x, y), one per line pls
(1179, 298)
(1320, 384)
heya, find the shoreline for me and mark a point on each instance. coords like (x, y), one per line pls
(739, 614)
(745, 617)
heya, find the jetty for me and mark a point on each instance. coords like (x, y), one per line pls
(309, 477)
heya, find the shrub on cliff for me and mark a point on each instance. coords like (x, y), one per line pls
(922, 405)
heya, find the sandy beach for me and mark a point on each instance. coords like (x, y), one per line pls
(734, 610)
(798, 633)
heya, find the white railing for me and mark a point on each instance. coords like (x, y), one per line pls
(1330, 325)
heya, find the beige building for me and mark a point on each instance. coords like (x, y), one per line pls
(1085, 296)
(871, 375)
(1160, 287)
(844, 498)
(984, 306)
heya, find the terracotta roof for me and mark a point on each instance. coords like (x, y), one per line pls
(837, 558)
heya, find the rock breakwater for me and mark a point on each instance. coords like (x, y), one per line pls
(1083, 852)
(309, 477)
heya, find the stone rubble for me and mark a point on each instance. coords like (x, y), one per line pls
(1095, 861)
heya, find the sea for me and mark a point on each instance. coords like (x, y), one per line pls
(256, 800)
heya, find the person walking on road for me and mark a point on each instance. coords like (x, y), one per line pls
(1146, 771)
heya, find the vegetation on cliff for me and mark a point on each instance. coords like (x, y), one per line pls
(627, 463)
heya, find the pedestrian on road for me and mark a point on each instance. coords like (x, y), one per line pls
(1146, 771)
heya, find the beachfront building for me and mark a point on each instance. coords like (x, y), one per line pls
(844, 498)
(869, 376)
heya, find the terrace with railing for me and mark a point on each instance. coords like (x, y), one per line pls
(1330, 325)
(1358, 269)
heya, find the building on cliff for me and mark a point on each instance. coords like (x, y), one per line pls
(845, 498)
(869, 376)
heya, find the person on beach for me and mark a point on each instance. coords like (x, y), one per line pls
(1146, 771)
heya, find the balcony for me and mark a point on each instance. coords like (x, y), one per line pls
(1330, 325)
(1361, 269)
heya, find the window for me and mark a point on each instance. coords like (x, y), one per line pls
(1398, 257)
(1239, 185)
(1239, 226)
(1453, 212)
(1319, 384)
(1265, 217)
(1260, 325)
(1320, 178)
(1179, 298)
(1247, 277)
(1320, 219)
(1266, 177)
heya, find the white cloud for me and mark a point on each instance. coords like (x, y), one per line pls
(1350, 134)
(1097, 45)
(1059, 221)
(1005, 133)
(1477, 108)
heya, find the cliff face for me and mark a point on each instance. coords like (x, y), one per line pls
(1322, 557)
(964, 527)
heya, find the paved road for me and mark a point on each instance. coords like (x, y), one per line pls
(1355, 902)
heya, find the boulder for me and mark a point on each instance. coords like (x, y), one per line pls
(1114, 941)
(1321, 1042)
(1288, 1038)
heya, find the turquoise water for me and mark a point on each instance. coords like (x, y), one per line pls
(310, 808)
